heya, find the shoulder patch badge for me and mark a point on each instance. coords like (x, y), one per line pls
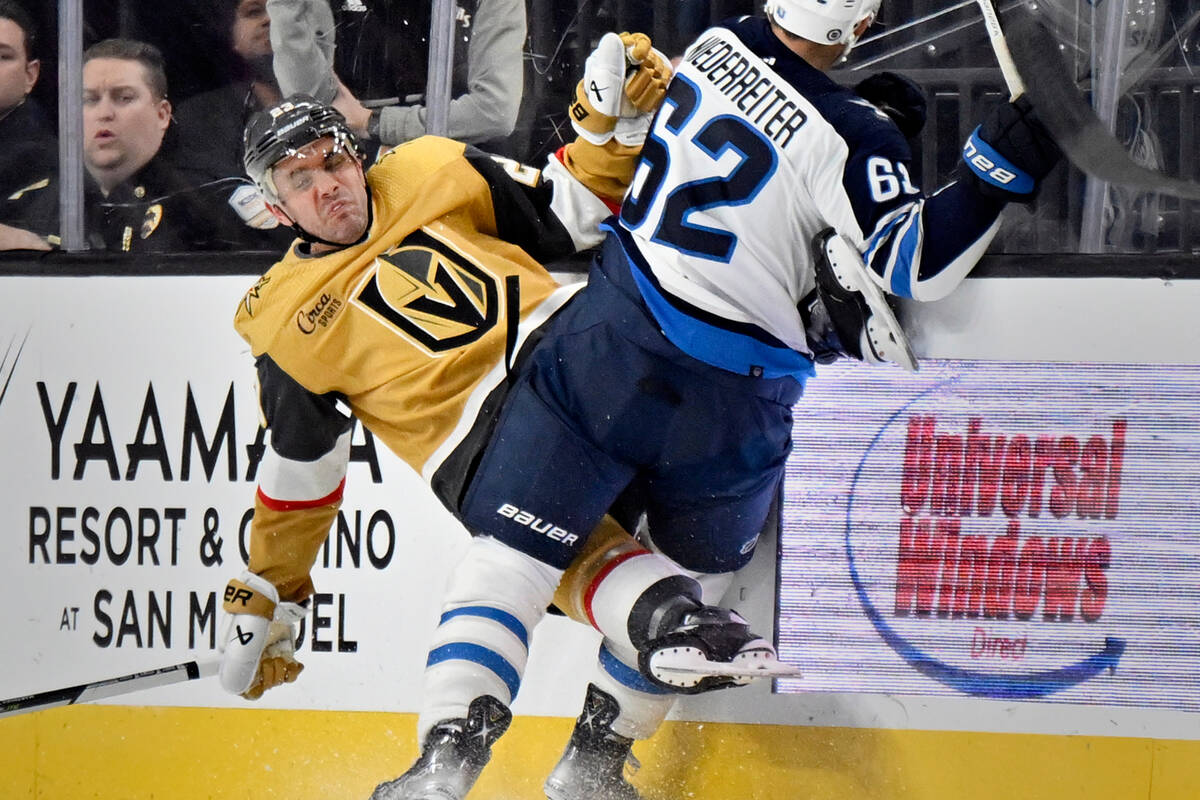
(253, 294)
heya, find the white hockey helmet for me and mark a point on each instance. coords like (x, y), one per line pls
(823, 21)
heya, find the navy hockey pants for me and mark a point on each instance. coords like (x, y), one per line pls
(605, 406)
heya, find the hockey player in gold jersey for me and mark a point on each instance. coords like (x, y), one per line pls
(411, 300)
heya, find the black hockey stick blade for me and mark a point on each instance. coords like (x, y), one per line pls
(1069, 118)
(97, 690)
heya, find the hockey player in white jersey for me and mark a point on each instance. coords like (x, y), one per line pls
(771, 212)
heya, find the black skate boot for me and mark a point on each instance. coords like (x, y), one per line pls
(863, 322)
(454, 753)
(707, 648)
(592, 766)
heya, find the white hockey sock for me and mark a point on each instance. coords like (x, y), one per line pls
(616, 591)
(495, 597)
(643, 705)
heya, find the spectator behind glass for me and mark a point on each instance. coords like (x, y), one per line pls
(136, 200)
(210, 124)
(381, 57)
(28, 149)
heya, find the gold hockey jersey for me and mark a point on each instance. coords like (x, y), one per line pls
(413, 321)
(413, 328)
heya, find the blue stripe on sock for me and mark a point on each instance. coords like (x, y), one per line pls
(476, 654)
(626, 675)
(496, 615)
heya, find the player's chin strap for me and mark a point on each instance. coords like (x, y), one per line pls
(847, 313)
(312, 238)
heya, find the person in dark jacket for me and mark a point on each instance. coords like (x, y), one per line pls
(28, 149)
(135, 199)
(208, 131)
(210, 124)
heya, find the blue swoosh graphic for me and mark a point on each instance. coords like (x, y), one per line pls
(979, 684)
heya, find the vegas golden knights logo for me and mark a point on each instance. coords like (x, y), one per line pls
(432, 293)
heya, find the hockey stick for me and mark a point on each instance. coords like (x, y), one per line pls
(1032, 65)
(98, 690)
(991, 23)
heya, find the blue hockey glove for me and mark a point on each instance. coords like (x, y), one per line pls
(1010, 153)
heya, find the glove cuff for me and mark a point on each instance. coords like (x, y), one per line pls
(994, 170)
(290, 613)
(604, 169)
(587, 121)
(251, 594)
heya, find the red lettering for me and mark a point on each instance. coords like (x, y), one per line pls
(956, 475)
(1093, 469)
(916, 566)
(1002, 562)
(976, 449)
(918, 453)
(1043, 460)
(1062, 496)
(1029, 578)
(1064, 570)
(1017, 464)
(1095, 593)
(971, 576)
(978, 642)
(949, 528)
(1116, 459)
(984, 455)
(997, 646)
(947, 473)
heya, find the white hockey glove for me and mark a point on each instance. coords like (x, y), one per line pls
(624, 82)
(257, 640)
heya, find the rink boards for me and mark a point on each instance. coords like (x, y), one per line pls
(130, 403)
(116, 752)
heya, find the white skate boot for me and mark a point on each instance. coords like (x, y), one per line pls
(710, 648)
(453, 755)
(592, 766)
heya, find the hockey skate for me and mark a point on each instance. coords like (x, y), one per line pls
(454, 754)
(710, 648)
(593, 764)
(857, 307)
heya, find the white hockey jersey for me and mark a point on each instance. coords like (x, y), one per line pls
(753, 153)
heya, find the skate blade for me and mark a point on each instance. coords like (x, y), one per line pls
(688, 667)
(775, 669)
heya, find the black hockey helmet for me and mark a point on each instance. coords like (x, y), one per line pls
(278, 132)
